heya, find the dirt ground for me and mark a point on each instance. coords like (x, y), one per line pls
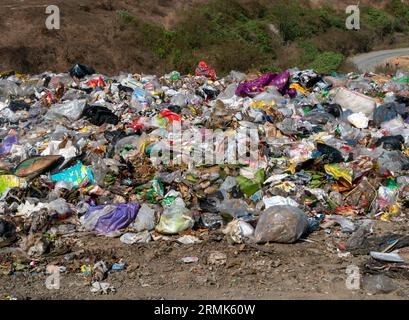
(89, 33)
(305, 270)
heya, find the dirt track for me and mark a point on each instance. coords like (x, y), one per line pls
(305, 270)
(369, 61)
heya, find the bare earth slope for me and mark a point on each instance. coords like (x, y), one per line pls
(90, 33)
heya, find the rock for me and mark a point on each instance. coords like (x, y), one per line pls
(282, 224)
(379, 283)
(217, 258)
(39, 248)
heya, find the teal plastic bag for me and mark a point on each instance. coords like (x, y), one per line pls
(78, 175)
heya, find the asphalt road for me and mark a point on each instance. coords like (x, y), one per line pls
(369, 61)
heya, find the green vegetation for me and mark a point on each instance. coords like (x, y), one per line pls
(327, 62)
(239, 35)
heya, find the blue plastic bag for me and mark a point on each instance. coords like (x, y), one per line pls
(78, 175)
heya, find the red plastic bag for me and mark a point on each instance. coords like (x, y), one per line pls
(171, 116)
(136, 125)
(203, 70)
(95, 83)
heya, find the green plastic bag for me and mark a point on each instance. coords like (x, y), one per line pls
(175, 218)
(250, 187)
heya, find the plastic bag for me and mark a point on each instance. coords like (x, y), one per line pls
(175, 218)
(80, 71)
(7, 233)
(72, 110)
(237, 230)
(145, 220)
(7, 144)
(281, 81)
(8, 182)
(283, 224)
(358, 120)
(108, 219)
(204, 70)
(249, 187)
(354, 101)
(279, 201)
(131, 238)
(387, 112)
(78, 175)
(98, 115)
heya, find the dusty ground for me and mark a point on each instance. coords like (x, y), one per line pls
(305, 270)
(89, 33)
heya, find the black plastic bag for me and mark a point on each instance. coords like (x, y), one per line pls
(80, 71)
(388, 111)
(333, 108)
(99, 115)
(329, 154)
(391, 143)
(18, 106)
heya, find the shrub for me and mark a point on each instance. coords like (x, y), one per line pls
(327, 62)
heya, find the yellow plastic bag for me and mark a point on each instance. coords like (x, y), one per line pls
(297, 87)
(342, 174)
(9, 181)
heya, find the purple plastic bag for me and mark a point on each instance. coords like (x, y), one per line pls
(7, 144)
(280, 81)
(120, 217)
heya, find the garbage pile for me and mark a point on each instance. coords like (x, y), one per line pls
(262, 158)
